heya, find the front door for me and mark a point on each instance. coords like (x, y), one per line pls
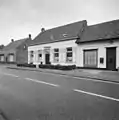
(111, 58)
(47, 58)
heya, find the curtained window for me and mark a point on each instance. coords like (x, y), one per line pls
(69, 54)
(90, 58)
(56, 55)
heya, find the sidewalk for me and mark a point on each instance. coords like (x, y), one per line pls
(84, 73)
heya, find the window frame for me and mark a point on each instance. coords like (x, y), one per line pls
(31, 55)
(87, 65)
(39, 57)
(56, 54)
(2, 56)
(69, 52)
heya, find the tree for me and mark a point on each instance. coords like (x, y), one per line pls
(1, 46)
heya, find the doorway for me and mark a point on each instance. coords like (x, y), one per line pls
(111, 58)
(47, 58)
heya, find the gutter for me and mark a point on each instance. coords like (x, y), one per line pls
(97, 40)
(72, 38)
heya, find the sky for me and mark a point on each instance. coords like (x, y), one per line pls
(18, 18)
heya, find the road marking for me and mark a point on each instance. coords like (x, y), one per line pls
(38, 81)
(10, 75)
(97, 95)
(102, 81)
(86, 79)
(76, 90)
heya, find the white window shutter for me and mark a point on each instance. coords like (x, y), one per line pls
(51, 55)
(64, 55)
(61, 55)
(74, 54)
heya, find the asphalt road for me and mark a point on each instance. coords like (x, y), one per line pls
(29, 95)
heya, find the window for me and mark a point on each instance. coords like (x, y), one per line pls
(90, 58)
(11, 57)
(31, 55)
(56, 55)
(2, 58)
(39, 57)
(69, 54)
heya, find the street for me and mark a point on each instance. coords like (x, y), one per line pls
(30, 95)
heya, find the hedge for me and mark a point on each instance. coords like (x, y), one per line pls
(26, 65)
(49, 66)
(59, 67)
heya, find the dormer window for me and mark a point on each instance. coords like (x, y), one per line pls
(64, 35)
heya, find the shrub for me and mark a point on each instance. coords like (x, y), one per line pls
(58, 67)
(49, 66)
(26, 65)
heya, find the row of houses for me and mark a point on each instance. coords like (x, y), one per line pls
(15, 51)
(94, 46)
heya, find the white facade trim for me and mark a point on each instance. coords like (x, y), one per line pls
(101, 47)
(51, 46)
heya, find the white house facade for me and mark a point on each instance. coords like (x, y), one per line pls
(63, 53)
(95, 46)
(99, 55)
(99, 46)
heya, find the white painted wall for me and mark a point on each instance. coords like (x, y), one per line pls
(62, 52)
(2, 58)
(101, 46)
(11, 58)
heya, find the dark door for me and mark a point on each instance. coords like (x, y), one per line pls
(6, 59)
(111, 58)
(47, 58)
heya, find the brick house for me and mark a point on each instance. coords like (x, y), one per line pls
(15, 51)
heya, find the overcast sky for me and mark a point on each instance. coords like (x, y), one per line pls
(18, 18)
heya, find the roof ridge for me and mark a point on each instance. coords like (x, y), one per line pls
(21, 39)
(65, 25)
(15, 44)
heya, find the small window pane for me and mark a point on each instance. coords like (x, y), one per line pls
(69, 54)
(69, 49)
(56, 50)
(56, 54)
(40, 55)
(31, 52)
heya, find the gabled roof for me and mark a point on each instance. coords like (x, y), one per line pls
(13, 45)
(106, 30)
(61, 33)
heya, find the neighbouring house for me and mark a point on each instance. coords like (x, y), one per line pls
(15, 51)
(57, 45)
(99, 46)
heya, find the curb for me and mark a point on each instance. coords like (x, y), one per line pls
(95, 78)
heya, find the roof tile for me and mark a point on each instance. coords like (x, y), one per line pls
(60, 33)
(102, 31)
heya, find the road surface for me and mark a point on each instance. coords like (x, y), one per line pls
(30, 95)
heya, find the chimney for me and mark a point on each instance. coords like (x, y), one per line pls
(12, 40)
(42, 29)
(30, 36)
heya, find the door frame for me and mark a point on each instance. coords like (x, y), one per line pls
(107, 58)
(46, 60)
